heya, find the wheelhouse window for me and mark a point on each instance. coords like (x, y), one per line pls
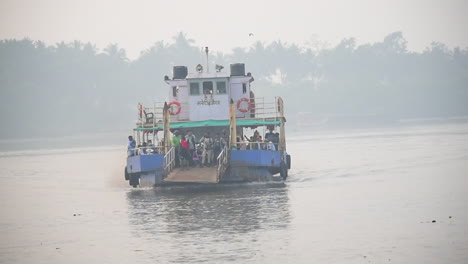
(208, 87)
(220, 87)
(174, 91)
(194, 89)
(244, 88)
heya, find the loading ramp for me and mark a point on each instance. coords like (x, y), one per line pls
(193, 175)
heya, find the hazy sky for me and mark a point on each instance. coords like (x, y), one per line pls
(222, 25)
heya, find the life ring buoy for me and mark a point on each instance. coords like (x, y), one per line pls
(179, 108)
(242, 109)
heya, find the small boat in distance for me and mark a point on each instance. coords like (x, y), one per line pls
(247, 132)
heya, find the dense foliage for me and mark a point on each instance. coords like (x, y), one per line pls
(72, 88)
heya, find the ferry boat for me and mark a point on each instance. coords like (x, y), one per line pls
(219, 103)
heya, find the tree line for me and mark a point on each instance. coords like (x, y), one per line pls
(73, 87)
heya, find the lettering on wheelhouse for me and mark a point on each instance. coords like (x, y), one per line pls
(208, 101)
(211, 102)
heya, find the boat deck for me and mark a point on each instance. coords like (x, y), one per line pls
(193, 175)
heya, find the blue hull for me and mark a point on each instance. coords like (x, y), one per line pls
(252, 165)
(244, 166)
(145, 163)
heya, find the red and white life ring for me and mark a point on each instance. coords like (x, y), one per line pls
(179, 108)
(244, 109)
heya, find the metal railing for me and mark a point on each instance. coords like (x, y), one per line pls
(153, 116)
(255, 146)
(223, 162)
(148, 150)
(259, 108)
(150, 115)
(262, 108)
(169, 161)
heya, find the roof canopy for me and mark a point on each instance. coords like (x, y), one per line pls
(210, 123)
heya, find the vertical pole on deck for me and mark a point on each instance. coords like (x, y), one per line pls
(167, 131)
(154, 123)
(141, 108)
(232, 125)
(154, 114)
(282, 137)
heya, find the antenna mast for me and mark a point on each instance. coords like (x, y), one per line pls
(207, 63)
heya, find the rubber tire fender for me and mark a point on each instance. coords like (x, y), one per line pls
(134, 180)
(283, 171)
(127, 175)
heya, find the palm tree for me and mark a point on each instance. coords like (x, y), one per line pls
(113, 50)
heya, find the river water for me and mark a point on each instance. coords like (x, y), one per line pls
(367, 196)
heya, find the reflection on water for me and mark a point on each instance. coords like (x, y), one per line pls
(361, 197)
(223, 219)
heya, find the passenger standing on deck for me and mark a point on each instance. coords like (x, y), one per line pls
(270, 135)
(253, 144)
(176, 144)
(150, 147)
(218, 145)
(131, 146)
(276, 140)
(260, 143)
(207, 154)
(184, 152)
(143, 149)
(256, 135)
(270, 145)
(225, 136)
(191, 140)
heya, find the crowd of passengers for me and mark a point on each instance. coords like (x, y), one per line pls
(146, 148)
(190, 152)
(257, 142)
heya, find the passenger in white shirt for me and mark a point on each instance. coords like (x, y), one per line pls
(270, 146)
